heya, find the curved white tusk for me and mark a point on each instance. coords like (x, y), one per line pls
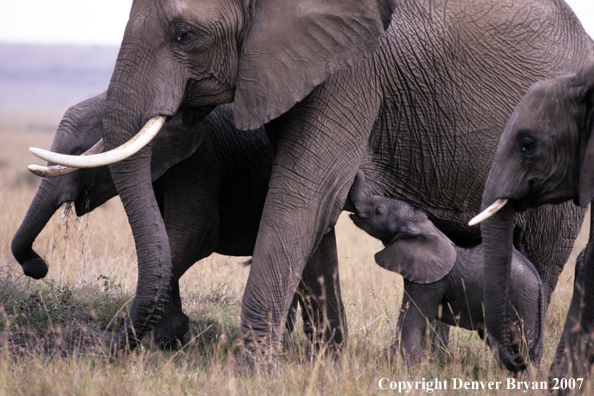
(131, 147)
(490, 211)
(59, 170)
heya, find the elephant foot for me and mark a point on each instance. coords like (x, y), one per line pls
(324, 338)
(260, 362)
(392, 355)
(125, 341)
(440, 339)
(170, 330)
(572, 359)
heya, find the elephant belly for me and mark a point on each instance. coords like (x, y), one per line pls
(462, 304)
(463, 315)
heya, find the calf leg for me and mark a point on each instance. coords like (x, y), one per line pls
(324, 318)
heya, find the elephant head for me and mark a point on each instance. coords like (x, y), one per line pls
(80, 130)
(415, 248)
(263, 55)
(544, 155)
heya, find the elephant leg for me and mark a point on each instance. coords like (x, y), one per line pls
(324, 319)
(318, 155)
(579, 263)
(416, 322)
(174, 324)
(440, 339)
(575, 353)
(192, 223)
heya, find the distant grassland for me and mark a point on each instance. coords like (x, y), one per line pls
(55, 333)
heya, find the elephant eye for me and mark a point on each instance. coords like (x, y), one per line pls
(380, 211)
(527, 145)
(180, 34)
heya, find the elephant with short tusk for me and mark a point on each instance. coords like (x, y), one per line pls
(443, 281)
(416, 95)
(544, 156)
(210, 181)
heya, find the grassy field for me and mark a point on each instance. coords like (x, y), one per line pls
(54, 334)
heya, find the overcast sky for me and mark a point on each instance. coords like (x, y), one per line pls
(103, 21)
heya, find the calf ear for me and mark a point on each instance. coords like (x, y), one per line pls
(422, 258)
(585, 79)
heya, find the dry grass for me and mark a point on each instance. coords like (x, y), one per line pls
(54, 334)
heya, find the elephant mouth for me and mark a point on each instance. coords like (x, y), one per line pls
(359, 220)
(91, 198)
(521, 205)
(81, 205)
(362, 222)
(66, 209)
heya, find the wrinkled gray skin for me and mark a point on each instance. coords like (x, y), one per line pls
(545, 155)
(420, 111)
(443, 281)
(210, 202)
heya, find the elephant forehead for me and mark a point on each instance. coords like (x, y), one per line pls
(538, 107)
(544, 97)
(146, 14)
(206, 10)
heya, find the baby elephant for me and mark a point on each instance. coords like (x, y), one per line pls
(442, 281)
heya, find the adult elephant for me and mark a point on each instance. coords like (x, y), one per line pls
(545, 155)
(210, 182)
(420, 114)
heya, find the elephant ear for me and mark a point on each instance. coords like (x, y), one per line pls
(182, 134)
(291, 46)
(423, 257)
(585, 79)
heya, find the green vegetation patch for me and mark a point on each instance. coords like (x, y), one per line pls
(41, 316)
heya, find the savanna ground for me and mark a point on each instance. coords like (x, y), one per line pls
(55, 333)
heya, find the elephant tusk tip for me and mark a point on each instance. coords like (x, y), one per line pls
(37, 151)
(490, 211)
(37, 170)
(479, 218)
(51, 171)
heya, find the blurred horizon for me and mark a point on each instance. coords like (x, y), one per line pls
(41, 81)
(64, 60)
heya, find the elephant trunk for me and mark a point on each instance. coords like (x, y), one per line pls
(127, 109)
(44, 205)
(497, 233)
(537, 349)
(357, 193)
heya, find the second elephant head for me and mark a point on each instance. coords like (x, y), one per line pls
(544, 156)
